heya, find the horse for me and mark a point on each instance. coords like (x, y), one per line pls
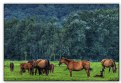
(76, 66)
(26, 66)
(51, 68)
(108, 63)
(11, 66)
(32, 62)
(42, 64)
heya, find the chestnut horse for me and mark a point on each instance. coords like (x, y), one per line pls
(26, 66)
(11, 66)
(108, 63)
(51, 68)
(42, 64)
(76, 66)
(31, 62)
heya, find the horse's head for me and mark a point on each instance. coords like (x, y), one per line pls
(34, 64)
(61, 61)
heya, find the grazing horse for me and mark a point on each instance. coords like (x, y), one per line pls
(26, 66)
(108, 63)
(42, 64)
(11, 66)
(32, 62)
(51, 68)
(76, 66)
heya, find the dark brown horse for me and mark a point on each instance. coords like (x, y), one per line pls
(26, 66)
(51, 68)
(42, 64)
(32, 62)
(108, 63)
(76, 66)
(11, 66)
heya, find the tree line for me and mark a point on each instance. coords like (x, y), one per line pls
(83, 34)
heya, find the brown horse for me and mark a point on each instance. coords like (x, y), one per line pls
(31, 61)
(51, 68)
(26, 66)
(76, 66)
(42, 64)
(108, 63)
(11, 66)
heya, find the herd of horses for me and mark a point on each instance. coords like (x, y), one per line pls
(40, 65)
(43, 66)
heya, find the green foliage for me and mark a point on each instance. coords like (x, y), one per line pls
(84, 34)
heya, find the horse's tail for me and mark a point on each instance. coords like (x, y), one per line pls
(86, 63)
(114, 63)
(48, 65)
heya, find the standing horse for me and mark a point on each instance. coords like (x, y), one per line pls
(51, 68)
(11, 66)
(108, 63)
(41, 65)
(26, 66)
(76, 66)
(31, 62)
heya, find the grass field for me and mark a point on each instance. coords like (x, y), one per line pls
(60, 73)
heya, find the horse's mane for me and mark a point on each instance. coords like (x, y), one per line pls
(68, 60)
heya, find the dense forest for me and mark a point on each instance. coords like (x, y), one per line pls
(50, 31)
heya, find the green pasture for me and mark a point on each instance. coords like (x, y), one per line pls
(60, 73)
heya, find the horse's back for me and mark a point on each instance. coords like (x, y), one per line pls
(73, 65)
(42, 63)
(107, 62)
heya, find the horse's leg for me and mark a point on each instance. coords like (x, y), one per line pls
(46, 71)
(35, 71)
(70, 73)
(39, 70)
(103, 68)
(32, 71)
(29, 71)
(88, 72)
(109, 69)
(112, 69)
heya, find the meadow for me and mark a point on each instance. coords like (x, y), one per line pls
(60, 73)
